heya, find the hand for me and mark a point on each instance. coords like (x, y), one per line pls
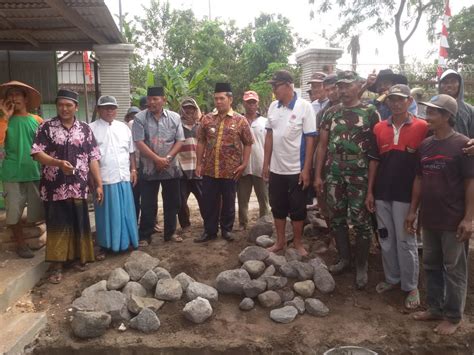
(66, 167)
(409, 223)
(469, 148)
(318, 186)
(238, 172)
(7, 107)
(370, 202)
(133, 177)
(465, 230)
(99, 195)
(371, 80)
(304, 179)
(266, 173)
(162, 163)
(198, 170)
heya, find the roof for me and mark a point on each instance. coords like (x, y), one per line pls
(56, 25)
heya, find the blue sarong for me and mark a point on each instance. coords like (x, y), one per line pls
(115, 219)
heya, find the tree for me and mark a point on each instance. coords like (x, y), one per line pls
(403, 16)
(354, 49)
(460, 38)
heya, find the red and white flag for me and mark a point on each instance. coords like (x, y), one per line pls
(87, 65)
(443, 41)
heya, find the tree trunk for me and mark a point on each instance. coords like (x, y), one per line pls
(401, 55)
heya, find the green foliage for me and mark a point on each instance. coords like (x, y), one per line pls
(461, 35)
(188, 56)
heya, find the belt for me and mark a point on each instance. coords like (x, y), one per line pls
(345, 157)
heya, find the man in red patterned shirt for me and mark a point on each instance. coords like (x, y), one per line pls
(223, 151)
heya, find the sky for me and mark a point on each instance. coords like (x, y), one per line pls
(377, 51)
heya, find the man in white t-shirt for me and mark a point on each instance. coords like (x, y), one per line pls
(252, 176)
(289, 146)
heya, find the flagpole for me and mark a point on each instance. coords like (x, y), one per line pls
(443, 40)
(86, 101)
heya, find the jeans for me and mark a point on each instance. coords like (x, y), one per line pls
(445, 264)
(149, 202)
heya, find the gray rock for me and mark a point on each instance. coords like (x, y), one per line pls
(197, 289)
(276, 282)
(309, 231)
(149, 280)
(289, 230)
(304, 270)
(322, 278)
(269, 271)
(269, 299)
(247, 304)
(255, 268)
(254, 287)
(118, 278)
(263, 226)
(264, 241)
(286, 294)
(275, 260)
(253, 252)
(298, 303)
(317, 262)
(184, 279)
(162, 273)
(168, 290)
(111, 302)
(292, 254)
(99, 286)
(198, 310)
(232, 281)
(90, 324)
(289, 270)
(138, 263)
(137, 303)
(134, 288)
(315, 307)
(284, 315)
(146, 321)
(304, 288)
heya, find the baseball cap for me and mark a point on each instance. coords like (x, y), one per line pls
(281, 76)
(399, 90)
(347, 76)
(251, 95)
(330, 79)
(317, 77)
(133, 109)
(443, 102)
(107, 100)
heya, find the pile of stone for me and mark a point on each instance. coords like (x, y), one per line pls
(34, 234)
(134, 294)
(268, 278)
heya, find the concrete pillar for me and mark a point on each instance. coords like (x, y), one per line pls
(313, 60)
(114, 73)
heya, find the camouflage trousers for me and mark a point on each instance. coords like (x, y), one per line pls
(346, 203)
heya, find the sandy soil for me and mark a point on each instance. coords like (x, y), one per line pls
(363, 318)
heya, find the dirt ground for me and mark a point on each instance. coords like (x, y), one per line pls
(363, 318)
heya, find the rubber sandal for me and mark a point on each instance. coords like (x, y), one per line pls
(384, 287)
(143, 243)
(100, 256)
(55, 276)
(413, 299)
(79, 267)
(176, 238)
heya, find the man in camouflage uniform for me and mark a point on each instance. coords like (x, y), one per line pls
(347, 138)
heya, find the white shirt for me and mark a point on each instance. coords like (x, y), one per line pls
(255, 165)
(115, 143)
(289, 126)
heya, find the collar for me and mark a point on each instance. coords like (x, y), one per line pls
(229, 113)
(105, 123)
(164, 113)
(56, 121)
(409, 120)
(291, 104)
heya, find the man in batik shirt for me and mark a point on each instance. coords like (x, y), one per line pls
(68, 151)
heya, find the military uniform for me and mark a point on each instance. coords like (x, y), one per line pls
(351, 141)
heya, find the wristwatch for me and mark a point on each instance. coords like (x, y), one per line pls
(169, 158)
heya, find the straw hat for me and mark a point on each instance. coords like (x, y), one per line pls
(33, 95)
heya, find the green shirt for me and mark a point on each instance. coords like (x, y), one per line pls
(18, 165)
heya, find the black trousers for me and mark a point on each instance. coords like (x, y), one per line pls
(149, 205)
(215, 191)
(188, 186)
(136, 197)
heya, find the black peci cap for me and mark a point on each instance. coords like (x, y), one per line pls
(68, 94)
(155, 91)
(223, 87)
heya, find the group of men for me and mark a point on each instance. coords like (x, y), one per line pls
(358, 157)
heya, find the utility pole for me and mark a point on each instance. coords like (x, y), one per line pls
(120, 17)
(210, 18)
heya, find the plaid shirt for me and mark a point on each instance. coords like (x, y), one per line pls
(223, 140)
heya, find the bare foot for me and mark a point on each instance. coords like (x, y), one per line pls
(301, 250)
(276, 247)
(425, 316)
(447, 328)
